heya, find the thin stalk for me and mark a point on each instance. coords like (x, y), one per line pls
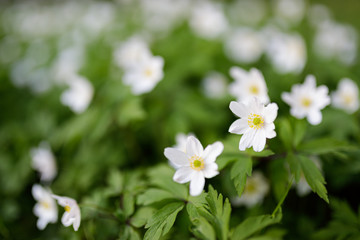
(283, 197)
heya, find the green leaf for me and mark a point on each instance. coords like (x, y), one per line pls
(239, 171)
(115, 181)
(264, 153)
(129, 234)
(201, 228)
(325, 145)
(254, 224)
(128, 204)
(153, 195)
(141, 216)
(313, 177)
(217, 213)
(299, 131)
(224, 159)
(279, 177)
(161, 222)
(294, 164)
(285, 133)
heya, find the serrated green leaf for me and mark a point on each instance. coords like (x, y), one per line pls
(141, 216)
(313, 177)
(153, 195)
(161, 222)
(128, 204)
(115, 181)
(294, 164)
(239, 171)
(325, 145)
(224, 159)
(252, 225)
(129, 234)
(201, 228)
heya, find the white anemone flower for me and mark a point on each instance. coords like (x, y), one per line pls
(208, 20)
(346, 96)
(132, 52)
(72, 215)
(214, 85)
(244, 45)
(307, 100)
(291, 11)
(145, 75)
(248, 85)
(181, 140)
(45, 208)
(44, 162)
(196, 164)
(79, 95)
(256, 123)
(256, 188)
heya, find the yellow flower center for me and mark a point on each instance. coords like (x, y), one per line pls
(254, 89)
(148, 72)
(348, 99)
(306, 102)
(255, 121)
(45, 205)
(197, 163)
(250, 187)
(67, 208)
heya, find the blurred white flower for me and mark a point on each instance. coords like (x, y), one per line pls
(208, 20)
(256, 123)
(98, 16)
(250, 12)
(291, 11)
(336, 41)
(318, 14)
(244, 45)
(302, 187)
(307, 100)
(45, 208)
(286, 52)
(44, 162)
(214, 85)
(144, 76)
(196, 164)
(248, 85)
(132, 52)
(256, 188)
(72, 215)
(79, 94)
(346, 96)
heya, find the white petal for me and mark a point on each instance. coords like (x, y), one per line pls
(194, 147)
(197, 183)
(259, 141)
(238, 73)
(41, 223)
(287, 97)
(310, 82)
(269, 130)
(239, 109)
(212, 151)
(210, 170)
(239, 126)
(176, 156)
(183, 175)
(246, 140)
(270, 112)
(67, 219)
(314, 117)
(77, 220)
(37, 192)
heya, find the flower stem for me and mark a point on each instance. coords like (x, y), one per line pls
(283, 197)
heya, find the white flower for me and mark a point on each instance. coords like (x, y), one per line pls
(132, 52)
(346, 96)
(181, 140)
(286, 52)
(144, 76)
(72, 214)
(292, 11)
(196, 164)
(208, 20)
(307, 100)
(336, 41)
(318, 14)
(214, 85)
(249, 12)
(244, 45)
(255, 123)
(45, 208)
(44, 162)
(256, 188)
(248, 85)
(79, 95)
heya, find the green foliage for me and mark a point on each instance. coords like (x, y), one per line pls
(239, 171)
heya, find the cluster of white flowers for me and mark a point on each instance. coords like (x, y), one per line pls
(45, 209)
(142, 71)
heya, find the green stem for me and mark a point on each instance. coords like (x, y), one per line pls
(283, 197)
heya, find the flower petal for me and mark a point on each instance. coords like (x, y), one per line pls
(210, 170)
(239, 126)
(212, 151)
(270, 112)
(246, 140)
(259, 141)
(239, 109)
(67, 219)
(197, 183)
(194, 147)
(314, 117)
(183, 175)
(176, 156)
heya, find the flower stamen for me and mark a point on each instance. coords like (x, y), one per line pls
(254, 90)
(255, 121)
(67, 208)
(306, 102)
(197, 163)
